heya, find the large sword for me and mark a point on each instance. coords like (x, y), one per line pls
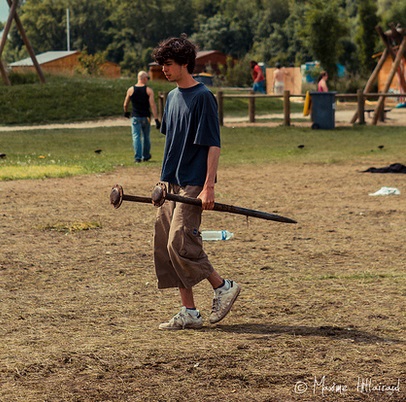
(160, 195)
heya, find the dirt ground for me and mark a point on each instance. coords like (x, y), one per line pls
(321, 315)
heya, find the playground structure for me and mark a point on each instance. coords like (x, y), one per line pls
(395, 47)
(13, 15)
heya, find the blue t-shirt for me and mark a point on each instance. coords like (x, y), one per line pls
(191, 125)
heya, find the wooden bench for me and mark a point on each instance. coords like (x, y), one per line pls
(369, 111)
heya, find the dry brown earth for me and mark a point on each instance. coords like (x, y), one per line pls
(321, 316)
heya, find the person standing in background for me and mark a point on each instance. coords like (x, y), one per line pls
(322, 82)
(143, 102)
(258, 77)
(279, 79)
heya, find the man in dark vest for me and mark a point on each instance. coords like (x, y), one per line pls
(143, 102)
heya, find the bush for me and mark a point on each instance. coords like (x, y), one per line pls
(90, 63)
(351, 84)
(23, 78)
(235, 74)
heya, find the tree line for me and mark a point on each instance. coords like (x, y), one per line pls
(285, 31)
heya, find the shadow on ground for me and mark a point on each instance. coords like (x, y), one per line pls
(323, 331)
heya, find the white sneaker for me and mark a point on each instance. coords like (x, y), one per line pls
(223, 301)
(183, 320)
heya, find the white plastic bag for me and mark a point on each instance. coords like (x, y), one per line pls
(386, 191)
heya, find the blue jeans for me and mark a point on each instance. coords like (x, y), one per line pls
(259, 87)
(140, 129)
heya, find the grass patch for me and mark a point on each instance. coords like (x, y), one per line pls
(61, 153)
(281, 144)
(64, 99)
(64, 152)
(38, 172)
(69, 99)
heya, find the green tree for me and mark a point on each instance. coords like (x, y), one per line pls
(384, 6)
(90, 21)
(349, 57)
(206, 8)
(45, 23)
(366, 37)
(138, 25)
(297, 51)
(285, 44)
(270, 40)
(239, 25)
(219, 33)
(288, 31)
(395, 13)
(324, 27)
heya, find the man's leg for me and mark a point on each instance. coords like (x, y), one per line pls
(136, 133)
(215, 280)
(146, 129)
(185, 245)
(188, 317)
(225, 294)
(164, 269)
(186, 297)
(183, 255)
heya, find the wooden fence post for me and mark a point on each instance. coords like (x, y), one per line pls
(361, 106)
(251, 107)
(220, 103)
(286, 108)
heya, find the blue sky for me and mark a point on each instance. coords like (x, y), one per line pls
(3, 10)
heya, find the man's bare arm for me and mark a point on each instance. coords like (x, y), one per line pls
(127, 98)
(207, 194)
(152, 103)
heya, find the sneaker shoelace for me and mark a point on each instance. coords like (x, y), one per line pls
(180, 318)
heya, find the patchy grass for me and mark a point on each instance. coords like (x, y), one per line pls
(38, 172)
(66, 99)
(59, 153)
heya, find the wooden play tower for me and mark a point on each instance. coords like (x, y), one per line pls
(13, 15)
(395, 47)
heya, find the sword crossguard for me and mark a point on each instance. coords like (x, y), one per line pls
(116, 196)
(159, 194)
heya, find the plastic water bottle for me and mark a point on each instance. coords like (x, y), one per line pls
(213, 235)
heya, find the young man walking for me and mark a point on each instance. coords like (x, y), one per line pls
(143, 102)
(192, 149)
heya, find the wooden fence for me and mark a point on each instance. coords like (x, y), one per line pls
(379, 112)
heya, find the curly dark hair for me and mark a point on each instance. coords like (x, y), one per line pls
(180, 50)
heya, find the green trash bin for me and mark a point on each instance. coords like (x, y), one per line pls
(323, 110)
